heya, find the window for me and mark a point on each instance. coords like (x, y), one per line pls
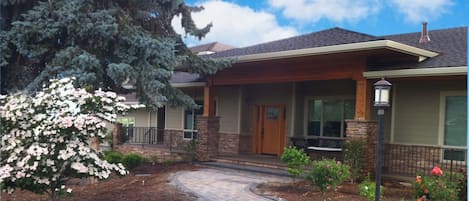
(190, 126)
(325, 120)
(454, 126)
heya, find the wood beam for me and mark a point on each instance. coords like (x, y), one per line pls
(209, 102)
(362, 99)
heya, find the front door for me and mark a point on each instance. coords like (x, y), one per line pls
(271, 135)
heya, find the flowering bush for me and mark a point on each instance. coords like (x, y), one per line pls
(296, 160)
(46, 137)
(327, 174)
(437, 187)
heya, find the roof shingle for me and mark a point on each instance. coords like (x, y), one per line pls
(450, 43)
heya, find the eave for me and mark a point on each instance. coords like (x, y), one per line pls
(421, 72)
(352, 47)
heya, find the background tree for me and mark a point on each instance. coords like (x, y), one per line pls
(103, 43)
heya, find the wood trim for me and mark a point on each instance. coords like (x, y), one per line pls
(328, 67)
(362, 99)
(209, 106)
(257, 122)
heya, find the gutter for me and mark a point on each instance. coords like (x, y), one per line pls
(370, 45)
(422, 72)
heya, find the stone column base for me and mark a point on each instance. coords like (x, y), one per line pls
(207, 137)
(366, 131)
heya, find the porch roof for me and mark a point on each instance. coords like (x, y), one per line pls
(448, 47)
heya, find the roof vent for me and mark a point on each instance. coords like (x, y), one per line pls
(424, 37)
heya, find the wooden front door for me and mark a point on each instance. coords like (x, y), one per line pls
(271, 129)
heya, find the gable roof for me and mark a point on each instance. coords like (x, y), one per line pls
(451, 44)
(328, 37)
(210, 47)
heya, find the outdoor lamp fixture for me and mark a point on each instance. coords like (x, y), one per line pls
(382, 91)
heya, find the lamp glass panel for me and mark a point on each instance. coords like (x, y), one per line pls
(377, 95)
(384, 96)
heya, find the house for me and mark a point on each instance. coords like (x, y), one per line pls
(318, 87)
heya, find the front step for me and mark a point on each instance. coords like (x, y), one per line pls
(260, 164)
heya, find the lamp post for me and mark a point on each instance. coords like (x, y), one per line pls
(382, 91)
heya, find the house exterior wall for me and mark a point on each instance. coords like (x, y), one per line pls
(174, 118)
(417, 109)
(228, 108)
(259, 94)
(142, 117)
(228, 103)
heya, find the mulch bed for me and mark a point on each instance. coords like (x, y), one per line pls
(303, 191)
(133, 187)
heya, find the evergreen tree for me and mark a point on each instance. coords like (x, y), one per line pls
(103, 43)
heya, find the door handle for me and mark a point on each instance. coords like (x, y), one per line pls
(262, 133)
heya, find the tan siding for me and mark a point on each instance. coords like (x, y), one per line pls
(417, 110)
(265, 94)
(227, 108)
(174, 118)
(142, 117)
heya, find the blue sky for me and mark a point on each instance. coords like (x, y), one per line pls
(246, 22)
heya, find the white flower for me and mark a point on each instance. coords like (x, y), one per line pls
(56, 116)
(5, 172)
(79, 167)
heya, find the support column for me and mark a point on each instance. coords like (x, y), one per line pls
(207, 137)
(117, 135)
(209, 103)
(362, 127)
(365, 130)
(362, 99)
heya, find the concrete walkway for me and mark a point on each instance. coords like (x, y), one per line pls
(222, 184)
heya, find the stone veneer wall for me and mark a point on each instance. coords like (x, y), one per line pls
(174, 139)
(148, 152)
(245, 143)
(207, 137)
(367, 131)
(228, 143)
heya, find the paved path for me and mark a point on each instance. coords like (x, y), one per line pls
(222, 184)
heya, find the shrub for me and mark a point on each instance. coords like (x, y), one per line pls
(296, 160)
(153, 159)
(131, 161)
(190, 149)
(462, 186)
(113, 156)
(354, 156)
(327, 174)
(46, 137)
(368, 188)
(437, 187)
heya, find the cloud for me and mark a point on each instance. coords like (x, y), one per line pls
(236, 25)
(421, 10)
(311, 11)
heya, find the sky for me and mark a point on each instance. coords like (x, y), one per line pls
(243, 23)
